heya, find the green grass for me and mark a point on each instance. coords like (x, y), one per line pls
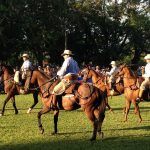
(21, 131)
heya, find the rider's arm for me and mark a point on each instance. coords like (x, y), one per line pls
(111, 72)
(26, 66)
(63, 69)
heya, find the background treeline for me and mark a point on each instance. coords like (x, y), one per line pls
(96, 30)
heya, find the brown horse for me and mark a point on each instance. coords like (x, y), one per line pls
(85, 96)
(12, 89)
(98, 81)
(131, 89)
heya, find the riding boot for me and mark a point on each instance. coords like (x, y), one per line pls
(139, 99)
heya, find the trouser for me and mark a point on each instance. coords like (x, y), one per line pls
(145, 84)
(111, 82)
(61, 86)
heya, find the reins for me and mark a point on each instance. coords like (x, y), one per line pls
(37, 88)
(7, 78)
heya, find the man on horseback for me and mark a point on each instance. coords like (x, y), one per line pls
(146, 76)
(67, 73)
(112, 74)
(25, 73)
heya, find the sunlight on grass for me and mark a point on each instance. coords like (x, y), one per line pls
(21, 131)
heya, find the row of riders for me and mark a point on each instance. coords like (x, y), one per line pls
(65, 91)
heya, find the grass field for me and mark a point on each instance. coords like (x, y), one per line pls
(18, 132)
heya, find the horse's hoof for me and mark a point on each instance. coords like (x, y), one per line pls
(111, 111)
(1, 114)
(93, 139)
(42, 131)
(29, 110)
(140, 121)
(16, 112)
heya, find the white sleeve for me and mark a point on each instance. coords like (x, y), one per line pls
(63, 69)
(111, 71)
(26, 65)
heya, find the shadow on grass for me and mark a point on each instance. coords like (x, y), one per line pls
(136, 128)
(113, 143)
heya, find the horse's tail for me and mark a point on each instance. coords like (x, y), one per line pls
(103, 102)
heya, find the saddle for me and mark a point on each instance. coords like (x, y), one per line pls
(73, 87)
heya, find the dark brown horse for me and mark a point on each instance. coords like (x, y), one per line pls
(12, 89)
(131, 89)
(87, 97)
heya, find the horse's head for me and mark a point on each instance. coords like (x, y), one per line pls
(122, 70)
(2, 69)
(85, 73)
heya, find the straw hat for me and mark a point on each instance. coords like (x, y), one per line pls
(67, 52)
(113, 63)
(25, 55)
(147, 56)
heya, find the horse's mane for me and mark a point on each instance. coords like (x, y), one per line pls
(98, 74)
(9, 69)
(43, 73)
(131, 72)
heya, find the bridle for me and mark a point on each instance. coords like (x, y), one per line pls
(85, 73)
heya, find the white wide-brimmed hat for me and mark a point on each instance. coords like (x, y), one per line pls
(25, 55)
(67, 52)
(147, 56)
(113, 63)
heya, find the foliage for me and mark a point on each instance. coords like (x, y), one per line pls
(98, 31)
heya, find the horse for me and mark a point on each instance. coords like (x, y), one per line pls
(99, 81)
(12, 89)
(84, 96)
(131, 90)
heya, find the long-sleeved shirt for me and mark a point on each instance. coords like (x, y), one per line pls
(69, 66)
(147, 71)
(113, 71)
(26, 65)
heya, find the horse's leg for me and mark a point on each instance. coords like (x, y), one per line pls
(108, 106)
(100, 117)
(90, 115)
(137, 110)
(9, 95)
(56, 113)
(14, 104)
(124, 110)
(128, 104)
(35, 97)
(43, 111)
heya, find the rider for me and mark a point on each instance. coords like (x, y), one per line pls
(146, 76)
(25, 70)
(67, 73)
(112, 74)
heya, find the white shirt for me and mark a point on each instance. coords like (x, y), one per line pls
(69, 66)
(147, 71)
(26, 65)
(113, 71)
